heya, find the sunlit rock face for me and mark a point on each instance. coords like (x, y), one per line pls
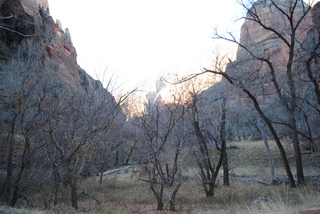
(31, 18)
(32, 7)
(264, 43)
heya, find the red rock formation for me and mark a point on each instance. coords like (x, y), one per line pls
(266, 44)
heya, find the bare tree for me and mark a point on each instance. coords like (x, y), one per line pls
(207, 135)
(265, 119)
(161, 149)
(79, 120)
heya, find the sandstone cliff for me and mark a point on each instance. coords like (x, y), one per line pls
(31, 20)
(258, 42)
(258, 47)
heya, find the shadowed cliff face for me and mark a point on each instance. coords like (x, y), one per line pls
(31, 21)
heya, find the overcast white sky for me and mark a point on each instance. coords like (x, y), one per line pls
(141, 39)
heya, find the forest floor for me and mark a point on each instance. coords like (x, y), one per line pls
(249, 192)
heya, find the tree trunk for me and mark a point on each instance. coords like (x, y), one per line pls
(117, 158)
(291, 107)
(210, 191)
(158, 194)
(223, 132)
(11, 142)
(24, 161)
(160, 205)
(226, 180)
(73, 186)
(101, 176)
(275, 136)
(56, 184)
(55, 197)
(271, 164)
(168, 178)
(14, 196)
(172, 200)
(74, 195)
(130, 152)
(297, 156)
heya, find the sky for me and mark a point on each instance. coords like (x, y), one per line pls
(136, 41)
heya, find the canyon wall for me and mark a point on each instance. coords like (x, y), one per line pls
(31, 22)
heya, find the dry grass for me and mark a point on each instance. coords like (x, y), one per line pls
(124, 193)
(251, 160)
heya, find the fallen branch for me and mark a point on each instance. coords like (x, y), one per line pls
(264, 183)
(115, 170)
(91, 196)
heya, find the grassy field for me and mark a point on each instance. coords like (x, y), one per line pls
(125, 193)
